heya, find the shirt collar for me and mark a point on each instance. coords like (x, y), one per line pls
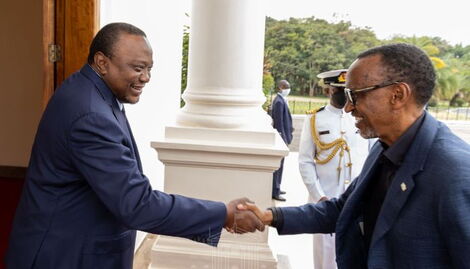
(121, 105)
(397, 151)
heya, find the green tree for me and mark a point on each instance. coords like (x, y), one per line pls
(184, 64)
(299, 49)
(453, 78)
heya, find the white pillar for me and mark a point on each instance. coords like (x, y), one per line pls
(225, 66)
(222, 146)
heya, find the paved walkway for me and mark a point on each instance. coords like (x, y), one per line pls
(299, 248)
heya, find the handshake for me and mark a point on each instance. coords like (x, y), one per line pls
(244, 216)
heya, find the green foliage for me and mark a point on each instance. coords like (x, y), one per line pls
(268, 84)
(184, 65)
(453, 78)
(452, 65)
(268, 88)
(301, 107)
(299, 49)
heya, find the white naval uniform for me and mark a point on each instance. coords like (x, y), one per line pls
(325, 179)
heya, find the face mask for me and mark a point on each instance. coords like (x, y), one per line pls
(339, 98)
(285, 92)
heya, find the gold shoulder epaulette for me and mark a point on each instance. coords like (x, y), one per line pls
(313, 111)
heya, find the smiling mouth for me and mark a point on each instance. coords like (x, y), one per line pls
(137, 88)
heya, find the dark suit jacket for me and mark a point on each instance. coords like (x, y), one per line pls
(425, 218)
(282, 119)
(85, 194)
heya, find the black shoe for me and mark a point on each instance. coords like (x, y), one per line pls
(279, 198)
(282, 192)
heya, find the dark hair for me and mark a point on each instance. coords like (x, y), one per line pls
(407, 63)
(105, 39)
(283, 84)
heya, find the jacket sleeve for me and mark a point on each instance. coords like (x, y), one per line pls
(278, 118)
(307, 164)
(101, 152)
(314, 218)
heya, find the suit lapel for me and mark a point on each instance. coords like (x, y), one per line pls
(352, 205)
(121, 116)
(403, 181)
(110, 99)
(134, 145)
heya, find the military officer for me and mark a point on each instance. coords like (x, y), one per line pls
(331, 155)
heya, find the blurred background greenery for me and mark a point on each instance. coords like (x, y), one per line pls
(300, 48)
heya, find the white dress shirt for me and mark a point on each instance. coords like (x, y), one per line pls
(326, 179)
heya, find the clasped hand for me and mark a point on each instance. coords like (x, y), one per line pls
(244, 216)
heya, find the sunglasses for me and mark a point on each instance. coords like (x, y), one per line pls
(351, 94)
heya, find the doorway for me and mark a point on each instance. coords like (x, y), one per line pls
(68, 28)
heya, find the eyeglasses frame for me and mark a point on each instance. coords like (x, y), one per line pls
(350, 93)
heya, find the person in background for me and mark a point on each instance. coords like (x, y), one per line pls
(282, 122)
(331, 155)
(85, 193)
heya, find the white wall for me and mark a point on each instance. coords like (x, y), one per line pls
(163, 22)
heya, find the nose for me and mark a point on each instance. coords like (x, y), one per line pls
(145, 76)
(349, 106)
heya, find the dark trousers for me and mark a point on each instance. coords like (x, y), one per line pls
(277, 177)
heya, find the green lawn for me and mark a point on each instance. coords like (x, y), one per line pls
(301, 107)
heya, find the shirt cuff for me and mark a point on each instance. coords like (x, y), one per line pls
(278, 218)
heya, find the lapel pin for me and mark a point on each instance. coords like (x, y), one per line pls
(403, 186)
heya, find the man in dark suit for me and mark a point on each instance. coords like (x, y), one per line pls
(409, 207)
(282, 122)
(85, 193)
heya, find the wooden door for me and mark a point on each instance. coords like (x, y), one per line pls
(69, 27)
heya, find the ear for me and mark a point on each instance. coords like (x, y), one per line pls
(101, 63)
(401, 95)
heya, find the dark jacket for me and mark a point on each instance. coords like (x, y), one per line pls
(424, 221)
(282, 119)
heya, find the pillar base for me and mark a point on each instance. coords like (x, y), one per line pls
(219, 165)
(172, 252)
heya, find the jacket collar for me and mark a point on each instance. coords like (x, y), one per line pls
(353, 203)
(103, 89)
(100, 85)
(349, 221)
(282, 97)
